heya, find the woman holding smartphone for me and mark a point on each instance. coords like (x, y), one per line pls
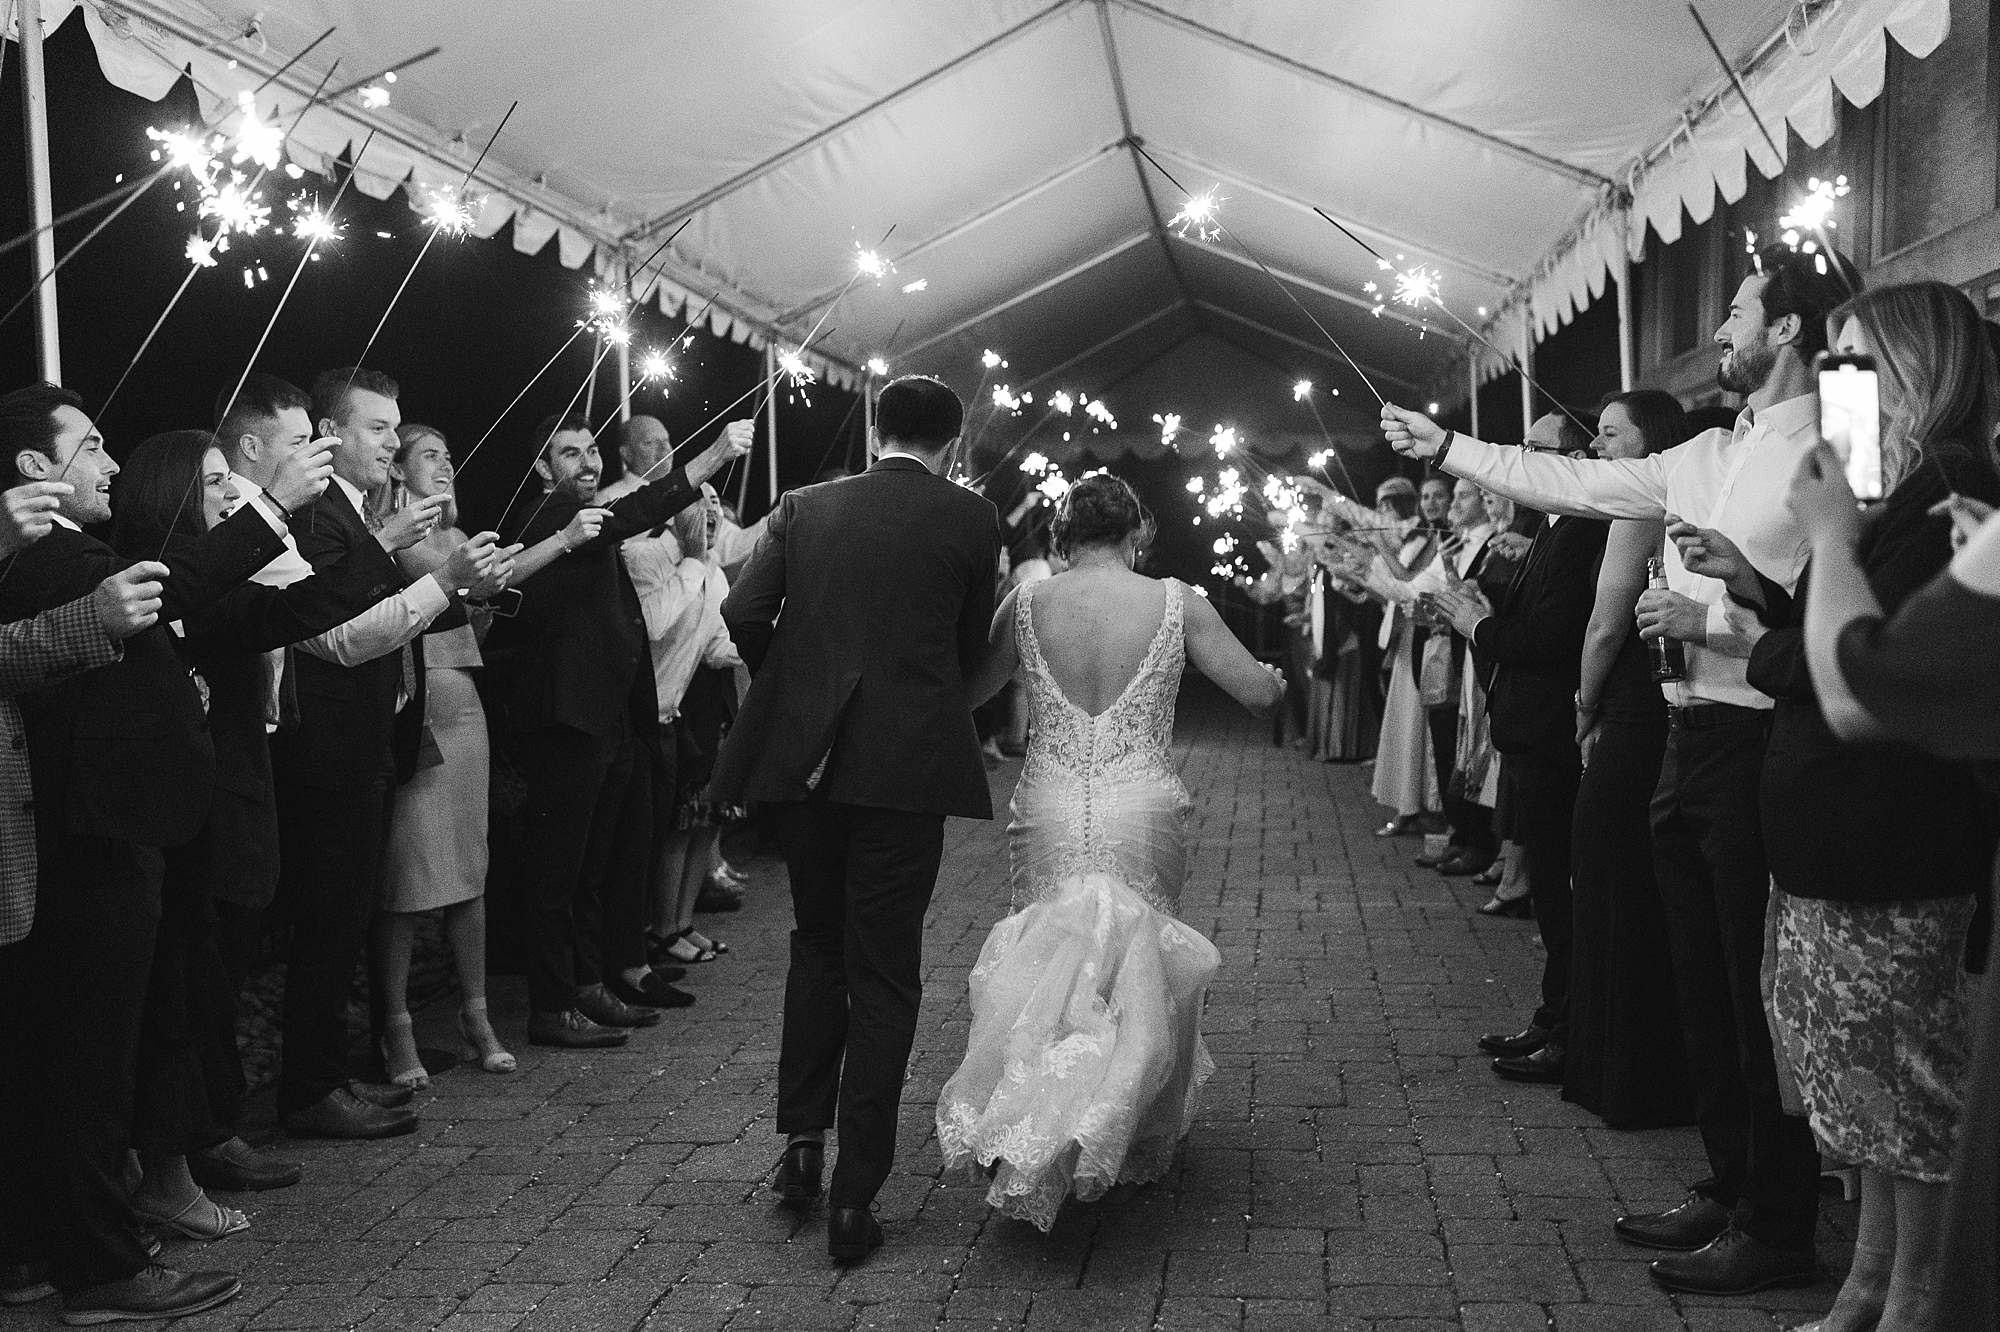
(1877, 850)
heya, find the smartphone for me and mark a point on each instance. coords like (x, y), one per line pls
(1850, 419)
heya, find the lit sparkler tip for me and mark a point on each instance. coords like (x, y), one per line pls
(1195, 484)
(1223, 441)
(1097, 411)
(990, 359)
(1170, 426)
(1302, 390)
(1198, 215)
(796, 369)
(374, 97)
(605, 303)
(1005, 399)
(1814, 212)
(618, 335)
(188, 152)
(655, 365)
(314, 225)
(1416, 287)
(877, 366)
(233, 207)
(1320, 459)
(449, 212)
(1062, 401)
(911, 288)
(200, 251)
(256, 141)
(1036, 463)
(871, 264)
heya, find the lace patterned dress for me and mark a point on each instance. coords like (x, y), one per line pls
(1085, 1056)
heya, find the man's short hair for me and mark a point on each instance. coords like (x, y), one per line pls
(261, 399)
(918, 411)
(28, 421)
(555, 423)
(1811, 286)
(332, 389)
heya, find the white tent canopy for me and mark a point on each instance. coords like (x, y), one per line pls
(1517, 147)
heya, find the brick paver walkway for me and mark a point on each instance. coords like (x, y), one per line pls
(1355, 1167)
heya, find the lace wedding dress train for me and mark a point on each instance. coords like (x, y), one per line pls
(1086, 1055)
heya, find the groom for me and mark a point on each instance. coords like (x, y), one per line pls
(860, 614)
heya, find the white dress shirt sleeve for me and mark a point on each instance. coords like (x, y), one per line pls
(383, 627)
(1599, 488)
(733, 544)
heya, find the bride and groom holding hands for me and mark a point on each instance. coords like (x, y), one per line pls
(867, 618)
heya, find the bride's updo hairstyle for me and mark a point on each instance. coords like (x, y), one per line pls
(1100, 510)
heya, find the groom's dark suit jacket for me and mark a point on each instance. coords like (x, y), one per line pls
(860, 614)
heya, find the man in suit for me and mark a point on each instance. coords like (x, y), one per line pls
(122, 767)
(861, 613)
(334, 769)
(572, 671)
(1532, 642)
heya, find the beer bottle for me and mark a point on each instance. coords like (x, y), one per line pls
(1669, 655)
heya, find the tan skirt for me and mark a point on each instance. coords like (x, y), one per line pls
(437, 834)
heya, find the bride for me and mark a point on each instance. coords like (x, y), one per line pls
(1086, 1054)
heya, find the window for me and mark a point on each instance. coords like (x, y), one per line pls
(1939, 153)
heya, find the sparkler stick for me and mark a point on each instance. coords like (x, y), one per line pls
(109, 196)
(1219, 227)
(1333, 451)
(532, 381)
(438, 225)
(1776, 154)
(280, 71)
(384, 72)
(89, 236)
(194, 268)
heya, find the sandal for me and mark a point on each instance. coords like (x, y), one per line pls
(707, 945)
(399, 1054)
(221, 1221)
(684, 950)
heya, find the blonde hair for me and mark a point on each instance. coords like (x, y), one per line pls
(1935, 369)
(391, 495)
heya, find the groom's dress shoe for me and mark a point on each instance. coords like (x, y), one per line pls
(342, 1114)
(1736, 1264)
(1520, 1043)
(1693, 1225)
(851, 1234)
(797, 1180)
(387, 1095)
(236, 1167)
(1544, 1065)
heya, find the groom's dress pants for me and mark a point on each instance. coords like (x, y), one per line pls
(861, 882)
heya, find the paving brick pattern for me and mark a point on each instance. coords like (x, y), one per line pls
(1356, 1166)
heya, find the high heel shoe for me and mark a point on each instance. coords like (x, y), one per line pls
(399, 1054)
(202, 1219)
(482, 1044)
(1516, 907)
(1490, 876)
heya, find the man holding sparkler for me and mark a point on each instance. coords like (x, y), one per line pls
(582, 713)
(1751, 1224)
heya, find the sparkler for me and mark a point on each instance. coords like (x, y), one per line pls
(877, 366)
(307, 224)
(870, 264)
(1061, 402)
(1197, 215)
(1223, 440)
(1417, 287)
(73, 250)
(256, 141)
(912, 288)
(1005, 399)
(1097, 411)
(794, 367)
(991, 359)
(1170, 426)
(1302, 390)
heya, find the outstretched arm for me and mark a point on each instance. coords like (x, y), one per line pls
(1001, 658)
(1218, 654)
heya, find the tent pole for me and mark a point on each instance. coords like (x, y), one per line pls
(867, 419)
(41, 208)
(1472, 388)
(1625, 358)
(771, 421)
(625, 350)
(1527, 372)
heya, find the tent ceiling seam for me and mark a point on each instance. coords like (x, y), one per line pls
(1112, 341)
(1363, 91)
(654, 226)
(1046, 284)
(1331, 293)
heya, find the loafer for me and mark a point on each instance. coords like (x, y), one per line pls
(24, 1283)
(851, 1234)
(1735, 1264)
(1693, 1225)
(571, 1030)
(1544, 1065)
(237, 1167)
(155, 1292)
(1425, 860)
(607, 1010)
(652, 993)
(342, 1114)
(388, 1095)
(1524, 1042)
(1464, 864)
(797, 1179)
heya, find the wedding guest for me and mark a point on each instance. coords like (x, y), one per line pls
(1531, 641)
(436, 858)
(1924, 677)
(1750, 1224)
(122, 767)
(1624, 1061)
(337, 767)
(1346, 677)
(1878, 852)
(583, 717)
(694, 665)
(1513, 529)
(173, 489)
(1405, 777)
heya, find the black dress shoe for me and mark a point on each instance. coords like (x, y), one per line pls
(1693, 1225)
(342, 1114)
(652, 993)
(1735, 1264)
(608, 1010)
(716, 897)
(237, 1167)
(1428, 861)
(1464, 864)
(851, 1234)
(24, 1283)
(1544, 1065)
(571, 1030)
(156, 1292)
(797, 1180)
(1520, 1043)
(388, 1095)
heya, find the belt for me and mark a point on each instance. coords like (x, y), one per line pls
(1715, 714)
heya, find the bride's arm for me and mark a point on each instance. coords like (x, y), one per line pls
(1001, 658)
(1217, 653)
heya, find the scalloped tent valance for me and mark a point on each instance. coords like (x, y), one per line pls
(1025, 158)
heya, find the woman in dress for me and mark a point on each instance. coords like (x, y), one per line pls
(1086, 1055)
(1405, 777)
(1507, 876)
(1624, 1060)
(436, 858)
(1878, 852)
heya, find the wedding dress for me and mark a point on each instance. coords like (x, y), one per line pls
(1086, 1055)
